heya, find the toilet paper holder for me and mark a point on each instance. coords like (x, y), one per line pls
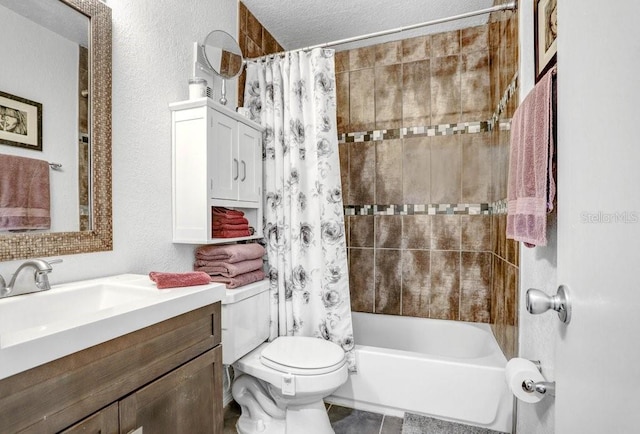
(542, 387)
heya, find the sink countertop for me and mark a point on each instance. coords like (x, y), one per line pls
(38, 328)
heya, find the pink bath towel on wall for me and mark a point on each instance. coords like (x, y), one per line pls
(531, 185)
(226, 269)
(24, 194)
(230, 253)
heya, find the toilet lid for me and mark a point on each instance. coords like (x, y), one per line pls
(302, 355)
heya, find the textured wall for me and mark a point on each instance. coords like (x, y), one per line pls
(152, 46)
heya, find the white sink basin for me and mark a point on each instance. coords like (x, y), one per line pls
(41, 327)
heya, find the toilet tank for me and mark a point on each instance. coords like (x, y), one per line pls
(245, 320)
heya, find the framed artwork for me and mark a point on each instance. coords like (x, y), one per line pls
(20, 122)
(545, 16)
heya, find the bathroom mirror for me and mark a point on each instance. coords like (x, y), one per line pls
(97, 17)
(223, 54)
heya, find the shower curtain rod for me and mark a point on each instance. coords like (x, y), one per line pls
(506, 6)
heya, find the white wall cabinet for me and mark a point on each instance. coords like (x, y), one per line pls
(217, 161)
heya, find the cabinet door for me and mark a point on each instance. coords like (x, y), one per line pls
(103, 422)
(250, 152)
(188, 400)
(224, 163)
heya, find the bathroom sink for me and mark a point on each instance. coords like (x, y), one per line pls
(41, 327)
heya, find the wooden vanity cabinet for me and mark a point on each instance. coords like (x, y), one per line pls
(166, 378)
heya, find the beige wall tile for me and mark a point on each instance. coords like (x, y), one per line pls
(388, 172)
(388, 231)
(343, 151)
(475, 90)
(342, 61)
(445, 90)
(361, 279)
(388, 281)
(361, 231)
(445, 285)
(388, 96)
(416, 283)
(445, 44)
(474, 39)
(360, 58)
(361, 100)
(477, 162)
(446, 169)
(445, 232)
(416, 232)
(388, 53)
(475, 286)
(475, 233)
(416, 93)
(416, 168)
(362, 178)
(254, 29)
(342, 102)
(418, 48)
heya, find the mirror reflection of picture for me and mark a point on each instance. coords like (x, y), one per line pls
(20, 122)
(546, 35)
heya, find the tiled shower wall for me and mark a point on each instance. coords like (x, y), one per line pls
(422, 167)
(254, 40)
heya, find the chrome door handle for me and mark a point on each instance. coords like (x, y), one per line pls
(539, 302)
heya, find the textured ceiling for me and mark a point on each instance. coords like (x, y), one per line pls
(302, 23)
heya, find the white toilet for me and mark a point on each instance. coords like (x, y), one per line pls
(279, 385)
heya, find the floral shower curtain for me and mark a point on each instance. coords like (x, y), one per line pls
(294, 98)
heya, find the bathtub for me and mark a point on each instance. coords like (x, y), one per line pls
(445, 369)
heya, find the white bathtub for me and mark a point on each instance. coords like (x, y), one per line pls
(446, 369)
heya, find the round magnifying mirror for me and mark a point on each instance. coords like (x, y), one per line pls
(223, 54)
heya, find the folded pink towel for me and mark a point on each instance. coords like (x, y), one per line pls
(24, 194)
(231, 253)
(531, 187)
(238, 233)
(240, 280)
(225, 223)
(226, 269)
(226, 212)
(174, 280)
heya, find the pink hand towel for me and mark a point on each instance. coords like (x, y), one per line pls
(226, 269)
(531, 186)
(226, 212)
(240, 280)
(174, 280)
(231, 253)
(24, 194)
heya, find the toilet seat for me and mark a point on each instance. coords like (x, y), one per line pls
(302, 355)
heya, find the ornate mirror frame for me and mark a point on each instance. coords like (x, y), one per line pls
(100, 237)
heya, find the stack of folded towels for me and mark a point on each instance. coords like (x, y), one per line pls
(234, 265)
(229, 223)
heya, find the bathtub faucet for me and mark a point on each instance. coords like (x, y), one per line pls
(25, 282)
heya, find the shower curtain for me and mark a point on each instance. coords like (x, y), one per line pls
(294, 98)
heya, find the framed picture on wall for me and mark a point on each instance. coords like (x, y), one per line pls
(545, 15)
(20, 122)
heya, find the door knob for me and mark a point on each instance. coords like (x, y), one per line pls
(539, 302)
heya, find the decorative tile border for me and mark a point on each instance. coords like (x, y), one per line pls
(506, 97)
(421, 131)
(494, 208)
(418, 209)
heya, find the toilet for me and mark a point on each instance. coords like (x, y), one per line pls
(279, 385)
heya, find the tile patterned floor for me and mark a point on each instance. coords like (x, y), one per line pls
(349, 421)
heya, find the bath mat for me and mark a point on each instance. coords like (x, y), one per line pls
(416, 424)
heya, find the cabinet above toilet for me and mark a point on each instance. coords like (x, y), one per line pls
(216, 162)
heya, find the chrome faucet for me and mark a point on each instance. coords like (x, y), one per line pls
(24, 282)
